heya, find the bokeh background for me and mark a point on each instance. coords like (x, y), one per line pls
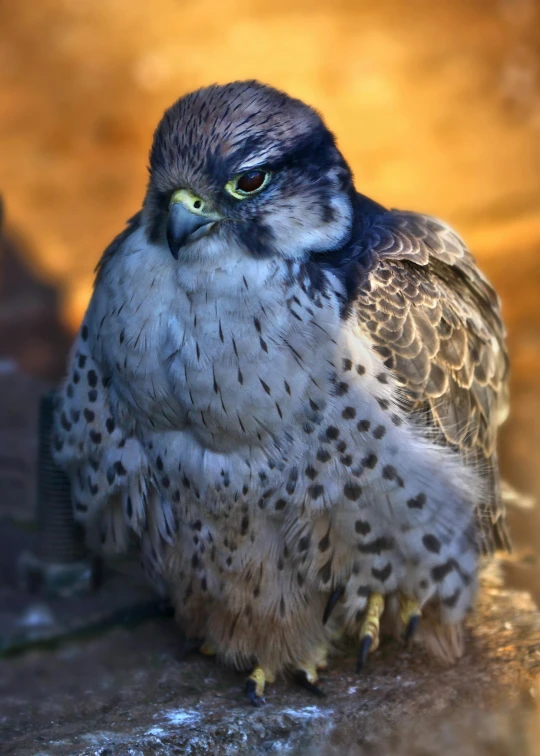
(436, 105)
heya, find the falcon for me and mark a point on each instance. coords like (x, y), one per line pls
(288, 395)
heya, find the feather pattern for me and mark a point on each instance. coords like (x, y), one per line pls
(445, 341)
(302, 399)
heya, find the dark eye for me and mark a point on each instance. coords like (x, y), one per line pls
(248, 183)
(251, 181)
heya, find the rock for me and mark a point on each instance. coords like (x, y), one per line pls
(127, 694)
(19, 400)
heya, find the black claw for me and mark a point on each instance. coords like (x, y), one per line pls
(332, 601)
(412, 627)
(251, 693)
(363, 651)
(301, 678)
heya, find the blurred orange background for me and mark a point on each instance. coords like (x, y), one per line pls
(436, 105)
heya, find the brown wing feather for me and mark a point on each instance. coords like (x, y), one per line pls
(436, 321)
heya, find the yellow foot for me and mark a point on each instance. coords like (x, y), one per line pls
(207, 649)
(256, 683)
(321, 656)
(369, 632)
(410, 614)
(307, 673)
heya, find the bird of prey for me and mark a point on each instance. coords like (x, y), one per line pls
(288, 394)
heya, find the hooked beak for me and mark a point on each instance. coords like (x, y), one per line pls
(189, 219)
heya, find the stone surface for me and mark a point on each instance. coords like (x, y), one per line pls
(127, 693)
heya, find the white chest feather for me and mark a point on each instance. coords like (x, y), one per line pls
(220, 356)
(226, 364)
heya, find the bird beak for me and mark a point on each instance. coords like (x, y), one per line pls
(189, 219)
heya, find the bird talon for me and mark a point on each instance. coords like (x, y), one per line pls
(363, 650)
(308, 680)
(320, 659)
(306, 673)
(410, 613)
(412, 627)
(332, 601)
(255, 686)
(369, 632)
(251, 693)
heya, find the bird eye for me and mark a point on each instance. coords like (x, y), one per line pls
(248, 183)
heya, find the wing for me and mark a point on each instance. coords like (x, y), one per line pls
(436, 322)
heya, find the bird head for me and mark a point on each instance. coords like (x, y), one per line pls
(245, 167)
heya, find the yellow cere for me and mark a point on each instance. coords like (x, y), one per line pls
(190, 201)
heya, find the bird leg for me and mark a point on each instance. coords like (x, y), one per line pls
(369, 631)
(255, 685)
(307, 673)
(410, 613)
(321, 656)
